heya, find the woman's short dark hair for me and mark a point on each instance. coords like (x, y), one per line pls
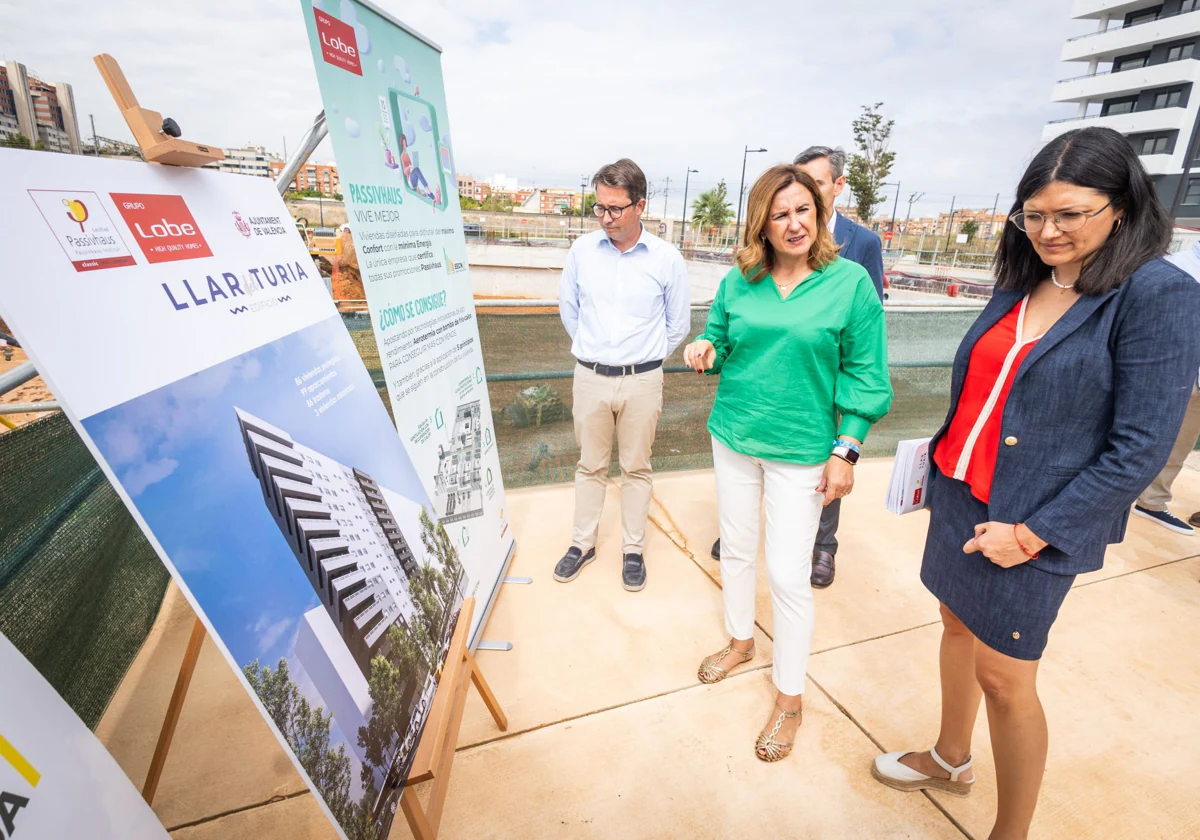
(1103, 160)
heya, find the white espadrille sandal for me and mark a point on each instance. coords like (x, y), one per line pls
(888, 770)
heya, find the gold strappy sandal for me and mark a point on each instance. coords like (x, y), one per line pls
(767, 747)
(710, 672)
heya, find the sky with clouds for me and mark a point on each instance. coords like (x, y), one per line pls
(548, 91)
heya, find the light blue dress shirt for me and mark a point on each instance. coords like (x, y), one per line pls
(624, 309)
(1189, 261)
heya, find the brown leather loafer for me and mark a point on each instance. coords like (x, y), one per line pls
(822, 569)
(1194, 520)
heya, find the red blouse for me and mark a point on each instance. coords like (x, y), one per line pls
(968, 450)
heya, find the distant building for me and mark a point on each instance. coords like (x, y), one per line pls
(549, 202)
(468, 187)
(312, 176)
(42, 111)
(1140, 71)
(248, 160)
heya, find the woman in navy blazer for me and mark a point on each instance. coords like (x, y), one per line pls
(1067, 394)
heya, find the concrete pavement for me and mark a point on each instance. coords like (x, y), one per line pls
(611, 735)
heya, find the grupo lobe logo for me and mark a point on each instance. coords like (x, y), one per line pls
(339, 46)
(163, 226)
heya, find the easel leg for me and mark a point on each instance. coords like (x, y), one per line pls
(485, 691)
(420, 827)
(174, 709)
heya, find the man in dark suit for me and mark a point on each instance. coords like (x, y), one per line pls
(827, 166)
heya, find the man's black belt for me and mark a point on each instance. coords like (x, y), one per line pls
(620, 370)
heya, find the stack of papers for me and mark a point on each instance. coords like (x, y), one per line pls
(910, 477)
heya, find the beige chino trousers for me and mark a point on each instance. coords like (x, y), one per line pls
(629, 407)
(1158, 495)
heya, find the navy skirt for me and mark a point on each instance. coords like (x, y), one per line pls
(1009, 610)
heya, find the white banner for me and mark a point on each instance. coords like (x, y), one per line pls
(178, 317)
(56, 779)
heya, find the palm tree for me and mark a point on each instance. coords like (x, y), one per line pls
(712, 208)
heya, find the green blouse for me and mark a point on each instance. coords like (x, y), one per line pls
(790, 366)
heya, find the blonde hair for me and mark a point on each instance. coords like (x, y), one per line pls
(756, 257)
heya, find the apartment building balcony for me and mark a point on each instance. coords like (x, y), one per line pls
(1138, 122)
(1084, 9)
(1104, 84)
(1105, 46)
(1164, 164)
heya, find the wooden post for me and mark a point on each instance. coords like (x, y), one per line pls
(174, 709)
(435, 752)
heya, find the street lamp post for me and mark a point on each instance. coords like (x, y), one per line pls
(582, 202)
(737, 226)
(895, 204)
(683, 226)
(914, 197)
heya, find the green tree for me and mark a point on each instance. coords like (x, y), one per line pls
(711, 208)
(496, 204)
(465, 202)
(411, 652)
(337, 196)
(970, 227)
(872, 164)
(306, 730)
(16, 141)
(589, 201)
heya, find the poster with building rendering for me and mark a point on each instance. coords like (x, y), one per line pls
(178, 318)
(385, 106)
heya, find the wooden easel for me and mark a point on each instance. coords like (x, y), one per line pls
(148, 126)
(435, 752)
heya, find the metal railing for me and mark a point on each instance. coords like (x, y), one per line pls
(1130, 25)
(1126, 69)
(1121, 114)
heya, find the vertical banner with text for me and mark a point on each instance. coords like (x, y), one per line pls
(385, 106)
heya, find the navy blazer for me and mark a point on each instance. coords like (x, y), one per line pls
(1094, 408)
(861, 246)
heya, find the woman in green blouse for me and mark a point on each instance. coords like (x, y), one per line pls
(798, 336)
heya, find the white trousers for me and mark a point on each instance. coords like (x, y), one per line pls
(793, 514)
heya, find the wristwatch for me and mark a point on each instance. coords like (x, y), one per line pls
(847, 451)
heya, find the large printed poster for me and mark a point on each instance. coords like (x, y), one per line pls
(385, 107)
(178, 317)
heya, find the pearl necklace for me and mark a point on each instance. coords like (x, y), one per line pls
(1054, 280)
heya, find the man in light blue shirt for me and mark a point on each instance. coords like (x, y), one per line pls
(1152, 504)
(625, 302)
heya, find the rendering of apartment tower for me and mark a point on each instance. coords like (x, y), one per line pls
(339, 525)
(1141, 71)
(44, 112)
(459, 477)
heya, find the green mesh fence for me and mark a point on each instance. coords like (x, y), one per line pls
(527, 355)
(80, 586)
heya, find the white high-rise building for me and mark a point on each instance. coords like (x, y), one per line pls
(1137, 73)
(340, 525)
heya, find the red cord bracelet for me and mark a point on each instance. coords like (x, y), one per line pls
(1033, 556)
